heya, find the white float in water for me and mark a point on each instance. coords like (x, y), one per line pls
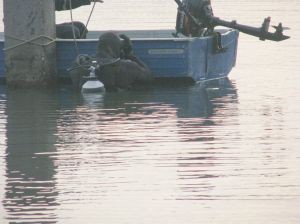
(92, 85)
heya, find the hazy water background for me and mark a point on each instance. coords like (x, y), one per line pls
(166, 154)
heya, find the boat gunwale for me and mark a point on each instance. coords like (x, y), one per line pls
(181, 38)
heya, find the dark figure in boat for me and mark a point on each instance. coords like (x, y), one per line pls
(118, 68)
(194, 20)
(66, 31)
(71, 30)
(195, 24)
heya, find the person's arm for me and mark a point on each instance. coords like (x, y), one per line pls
(61, 5)
(127, 50)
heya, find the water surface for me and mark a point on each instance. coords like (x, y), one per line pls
(166, 154)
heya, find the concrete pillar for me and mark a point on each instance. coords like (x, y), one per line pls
(30, 52)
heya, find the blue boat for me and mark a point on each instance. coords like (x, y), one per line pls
(167, 56)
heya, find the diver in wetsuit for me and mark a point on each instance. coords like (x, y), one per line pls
(117, 66)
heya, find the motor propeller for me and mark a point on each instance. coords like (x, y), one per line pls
(276, 36)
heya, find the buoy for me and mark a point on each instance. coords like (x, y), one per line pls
(92, 85)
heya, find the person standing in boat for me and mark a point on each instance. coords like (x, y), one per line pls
(65, 30)
(197, 23)
(194, 19)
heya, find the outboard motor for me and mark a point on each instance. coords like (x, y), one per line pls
(92, 84)
(196, 15)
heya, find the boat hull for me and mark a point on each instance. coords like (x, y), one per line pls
(167, 57)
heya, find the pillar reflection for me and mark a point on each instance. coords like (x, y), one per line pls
(30, 173)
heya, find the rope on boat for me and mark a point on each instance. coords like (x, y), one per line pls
(31, 41)
(89, 18)
(212, 79)
(73, 28)
(76, 44)
(86, 66)
(72, 21)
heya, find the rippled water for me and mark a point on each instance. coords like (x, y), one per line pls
(167, 154)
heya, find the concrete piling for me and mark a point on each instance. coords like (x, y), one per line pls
(30, 51)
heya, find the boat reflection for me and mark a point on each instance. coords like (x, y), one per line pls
(190, 101)
(56, 136)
